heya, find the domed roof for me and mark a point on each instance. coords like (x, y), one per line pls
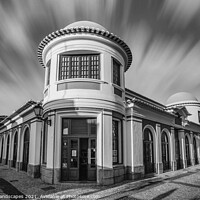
(89, 28)
(85, 24)
(181, 97)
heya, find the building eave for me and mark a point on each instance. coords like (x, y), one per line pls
(87, 30)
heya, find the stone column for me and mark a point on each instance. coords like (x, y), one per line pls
(159, 164)
(182, 148)
(173, 153)
(34, 148)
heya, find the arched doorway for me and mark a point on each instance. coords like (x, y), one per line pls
(7, 150)
(148, 151)
(195, 152)
(26, 150)
(187, 150)
(2, 145)
(15, 149)
(165, 151)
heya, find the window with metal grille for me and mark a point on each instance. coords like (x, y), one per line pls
(79, 66)
(116, 72)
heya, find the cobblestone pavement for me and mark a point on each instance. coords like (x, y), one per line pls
(182, 185)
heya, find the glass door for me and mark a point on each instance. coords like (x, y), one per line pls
(92, 159)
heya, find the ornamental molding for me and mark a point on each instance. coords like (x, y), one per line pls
(87, 30)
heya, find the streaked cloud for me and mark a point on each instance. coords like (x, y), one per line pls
(163, 36)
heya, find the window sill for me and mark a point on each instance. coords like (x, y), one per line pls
(118, 87)
(118, 166)
(46, 89)
(82, 80)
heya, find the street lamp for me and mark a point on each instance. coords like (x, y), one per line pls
(38, 110)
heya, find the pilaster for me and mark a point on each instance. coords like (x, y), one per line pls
(181, 135)
(19, 159)
(34, 148)
(10, 150)
(173, 158)
(192, 159)
(105, 174)
(159, 164)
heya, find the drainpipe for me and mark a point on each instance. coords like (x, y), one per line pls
(54, 143)
(102, 142)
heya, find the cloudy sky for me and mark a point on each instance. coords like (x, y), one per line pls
(164, 36)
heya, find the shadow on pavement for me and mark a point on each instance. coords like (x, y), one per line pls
(161, 196)
(10, 191)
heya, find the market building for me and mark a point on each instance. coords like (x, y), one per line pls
(88, 126)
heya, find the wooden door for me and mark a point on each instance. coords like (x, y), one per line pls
(148, 152)
(26, 151)
(15, 150)
(83, 159)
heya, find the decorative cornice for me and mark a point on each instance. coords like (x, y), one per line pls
(76, 30)
(182, 104)
(135, 101)
(18, 111)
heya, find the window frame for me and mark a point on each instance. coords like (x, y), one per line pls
(79, 66)
(114, 60)
(120, 142)
(91, 124)
(45, 142)
(199, 116)
(48, 67)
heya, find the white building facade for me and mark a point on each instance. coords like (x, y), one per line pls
(92, 128)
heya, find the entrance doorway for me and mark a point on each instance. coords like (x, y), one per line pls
(195, 152)
(15, 150)
(78, 150)
(187, 150)
(7, 150)
(83, 163)
(26, 150)
(79, 159)
(165, 152)
(148, 152)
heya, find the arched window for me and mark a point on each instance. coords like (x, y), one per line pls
(2, 145)
(26, 150)
(187, 150)
(7, 150)
(165, 151)
(195, 151)
(148, 151)
(15, 149)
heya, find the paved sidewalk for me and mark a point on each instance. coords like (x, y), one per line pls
(17, 185)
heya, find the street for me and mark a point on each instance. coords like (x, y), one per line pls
(182, 185)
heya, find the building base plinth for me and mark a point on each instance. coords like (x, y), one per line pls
(173, 165)
(136, 173)
(34, 171)
(159, 168)
(108, 176)
(48, 175)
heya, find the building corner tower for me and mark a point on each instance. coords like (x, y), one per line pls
(84, 95)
